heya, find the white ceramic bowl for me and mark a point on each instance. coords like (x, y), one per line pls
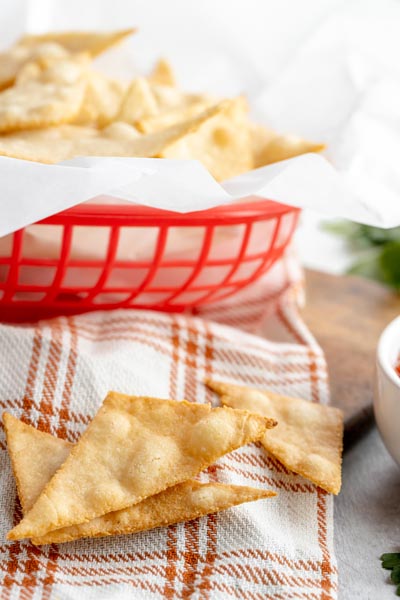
(387, 389)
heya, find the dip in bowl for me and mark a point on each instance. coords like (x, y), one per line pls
(387, 389)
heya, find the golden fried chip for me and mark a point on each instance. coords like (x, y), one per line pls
(162, 74)
(260, 137)
(79, 41)
(10, 63)
(55, 45)
(138, 102)
(268, 147)
(36, 456)
(166, 97)
(308, 438)
(169, 98)
(56, 144)
(222, 144)
(52, 68)
(134, 448)
(12, 60)
(182, 502)
(44, 96)
(29, 72)
(167, 118)
(120, 131)
(102, 100)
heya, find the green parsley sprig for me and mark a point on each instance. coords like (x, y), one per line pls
(377, 250)
(391, 561)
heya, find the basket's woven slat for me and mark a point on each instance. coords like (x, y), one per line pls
(60, 272)
(198, 266)
(157, 259)
(108, 263)
(269, 258)
(12, 279)
(235, 265)
(125, 264)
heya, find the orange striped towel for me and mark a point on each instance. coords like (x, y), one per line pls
(55, 375)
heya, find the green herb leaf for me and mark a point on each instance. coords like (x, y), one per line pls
(378, 236)
(378, 250)
(369, 267)
(395, 575)
(363, 234)
(390, 263)
(390, 560)
(346, 229)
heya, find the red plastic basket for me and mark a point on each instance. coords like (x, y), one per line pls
(135, 261)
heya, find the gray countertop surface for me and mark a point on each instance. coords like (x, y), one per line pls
(367, 520)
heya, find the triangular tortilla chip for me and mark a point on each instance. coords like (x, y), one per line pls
(153, 123)
(121, 131)
(44, 97)
(138, 102)
(14, 59)
(169, 98)
(79, 41)
(222, 144)
(162, 74)
(11, 62)
(36, 456)
(56, 45)
(260, 137)
(183, 502)
(308, 438)
(134, 448)
(268, 147)
(68, 141)
(102, 100)
(171, 106)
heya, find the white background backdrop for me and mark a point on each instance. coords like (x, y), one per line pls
(367, 509)
(339, 51)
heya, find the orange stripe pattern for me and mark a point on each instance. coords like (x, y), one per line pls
(277, 549)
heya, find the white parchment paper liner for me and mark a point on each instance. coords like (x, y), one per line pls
(340, 83)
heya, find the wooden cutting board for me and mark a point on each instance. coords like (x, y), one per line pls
(346, 315)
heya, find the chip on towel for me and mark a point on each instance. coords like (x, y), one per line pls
(308, 438)
(163, 74)
(36, 456)
(183, 502)
(129, 438)
(56, 144)
(222, 144)
(46, 94)
(93, 42)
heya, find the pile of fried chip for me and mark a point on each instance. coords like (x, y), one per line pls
(54, 106)
(133, 468)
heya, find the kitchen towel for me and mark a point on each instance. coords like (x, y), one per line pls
(55, 374)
